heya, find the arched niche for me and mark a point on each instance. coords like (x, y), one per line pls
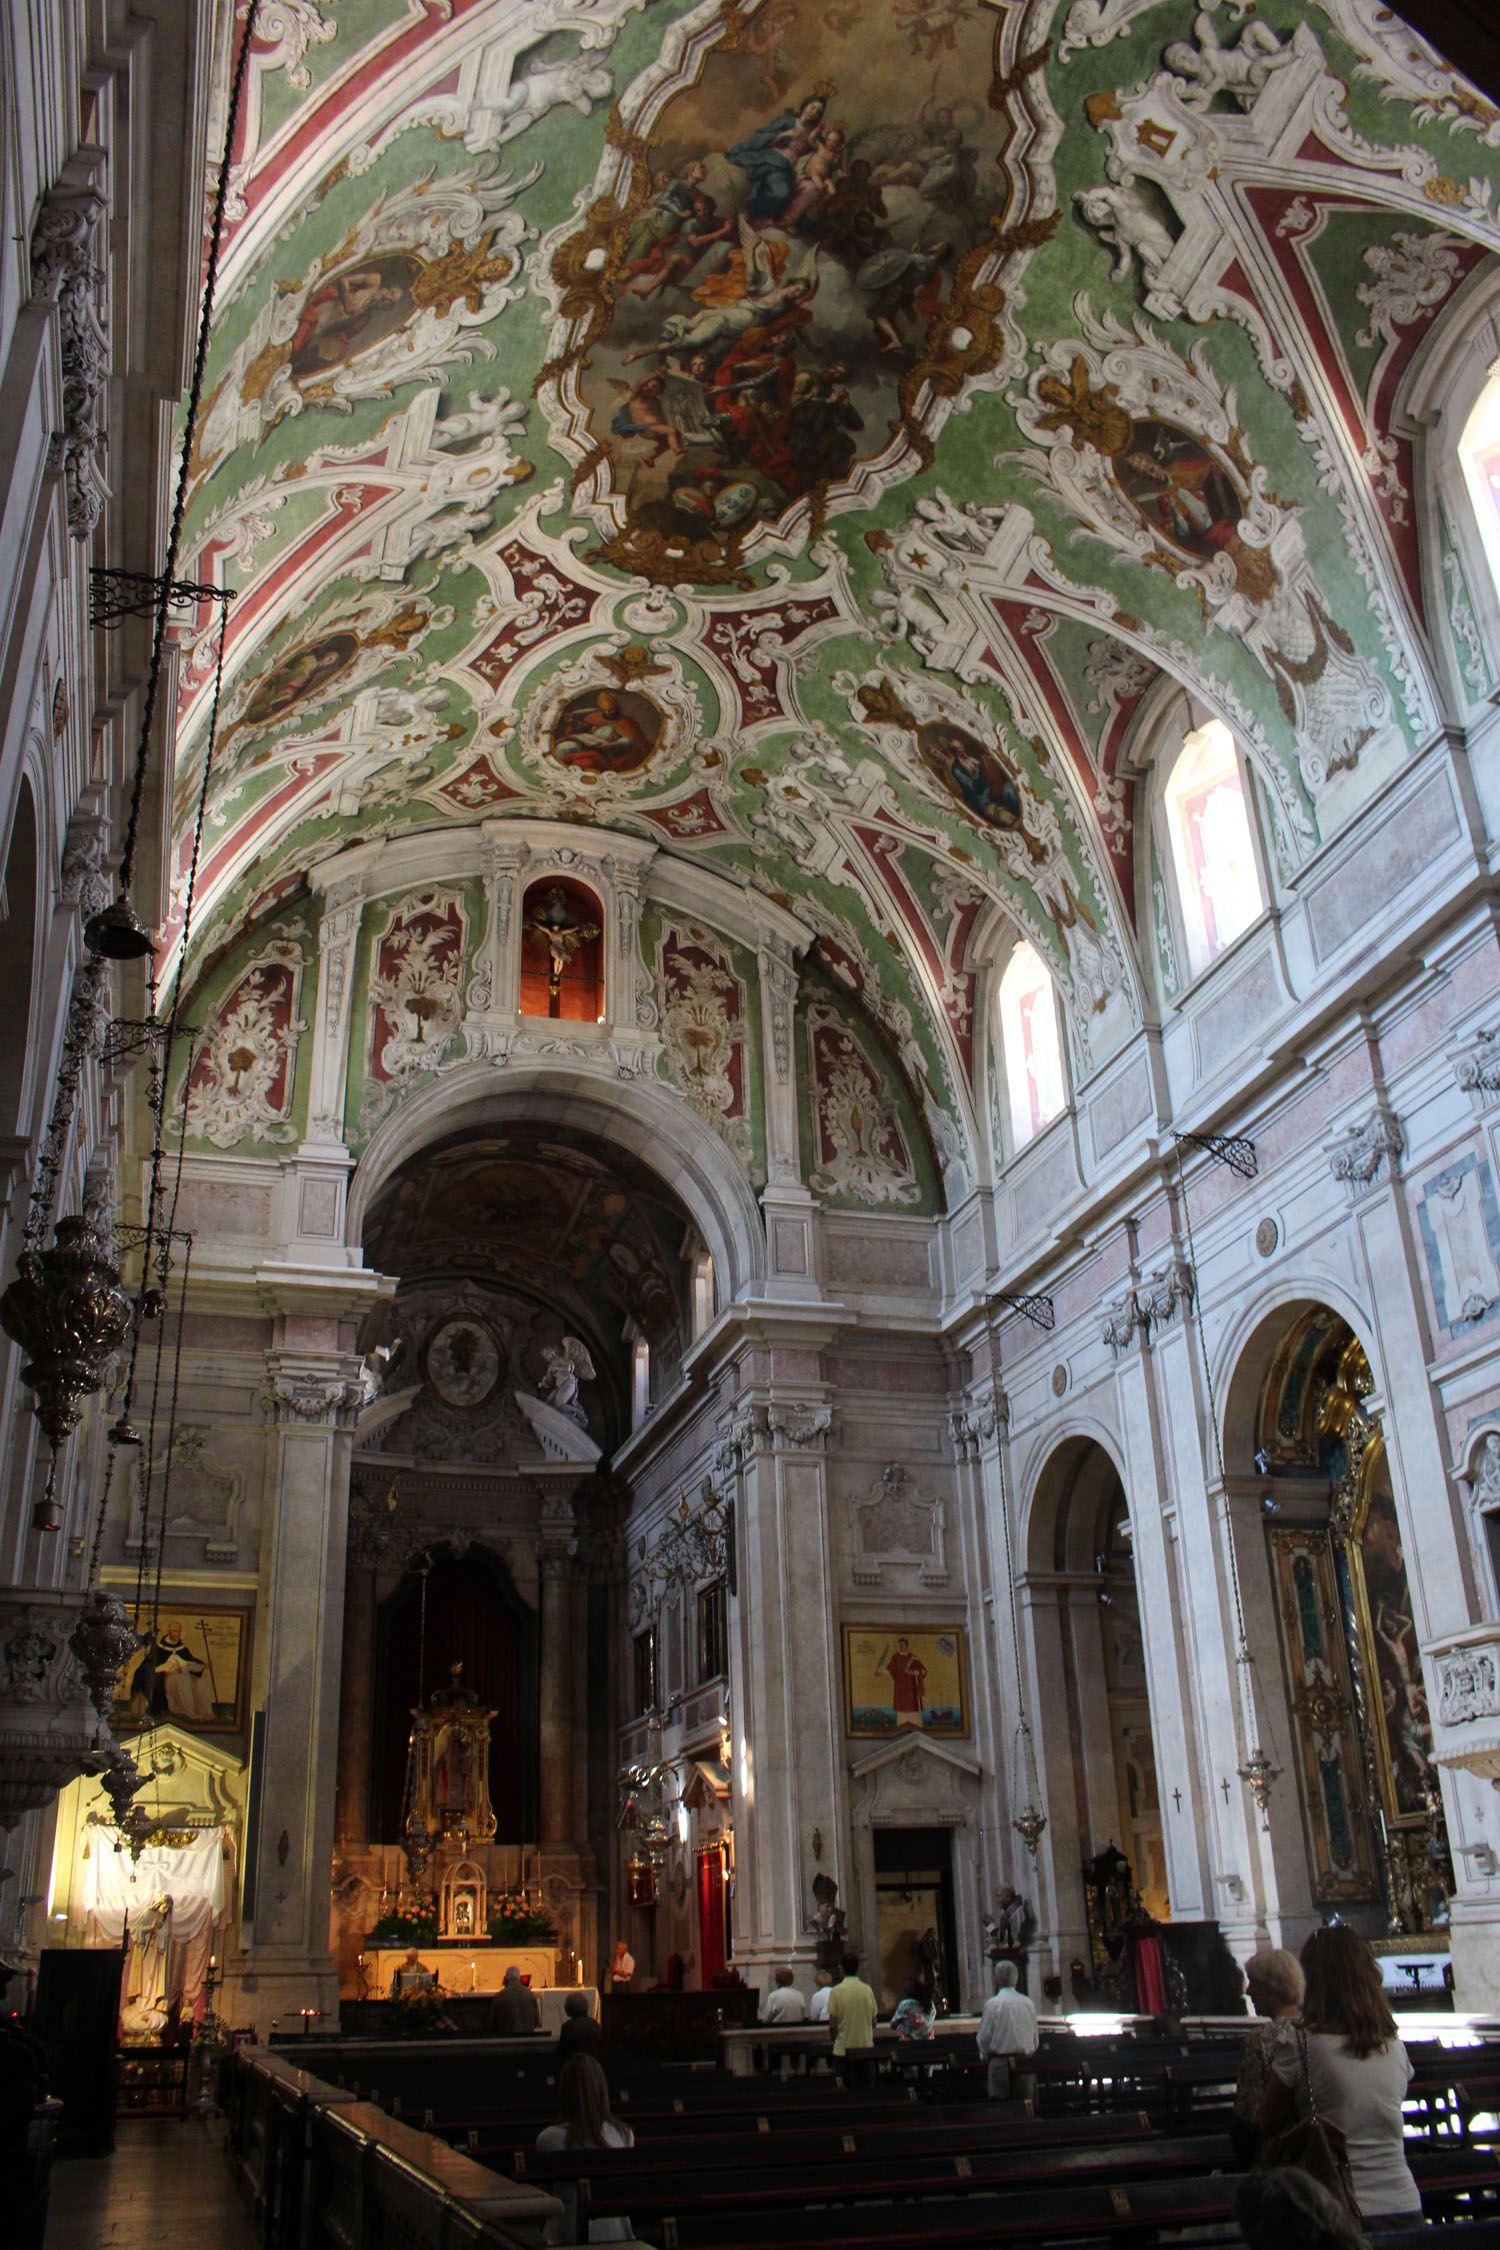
(562, 951)
(472, 1615)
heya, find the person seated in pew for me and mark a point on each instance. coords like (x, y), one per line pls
(1288, 2209)
(514, 2011)
(1276, 1985)
(1008, 2029)
(583, 2121)
(1346, 2060)
(786, 2004)
(817, 2007)
(581, 2033)
(851, 2017)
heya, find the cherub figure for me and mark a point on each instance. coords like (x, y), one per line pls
(1209, 67)
(1120, 219)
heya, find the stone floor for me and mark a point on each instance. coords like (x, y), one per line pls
(166, 2182)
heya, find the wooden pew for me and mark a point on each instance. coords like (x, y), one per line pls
(1124, 2210)
(1021, 2138)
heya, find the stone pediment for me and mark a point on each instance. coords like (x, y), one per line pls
(558, 1435)
(899, 1752)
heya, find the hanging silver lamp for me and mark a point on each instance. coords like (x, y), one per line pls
(66, 1309)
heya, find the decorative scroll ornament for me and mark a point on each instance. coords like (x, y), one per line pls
(1146, 450)
(50, 1727)
(64, 273)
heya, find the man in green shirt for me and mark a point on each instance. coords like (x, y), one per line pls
(851, 2017)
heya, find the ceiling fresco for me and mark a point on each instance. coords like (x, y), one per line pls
(805, 436)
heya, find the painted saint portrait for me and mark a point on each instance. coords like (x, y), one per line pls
(303, 676)
(1396, 1654)
(896, 1680)
(799, 220)
(348, 312)
(1180, 489)
(189, 1670)
(606, 730)
(974, 775)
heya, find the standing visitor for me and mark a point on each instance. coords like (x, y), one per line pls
(1008, 2029)
(1346, 2060)
(851, 2014)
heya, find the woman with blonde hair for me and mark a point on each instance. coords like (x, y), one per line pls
(1274, 1980)
(1347, 2064)
(583, 2121)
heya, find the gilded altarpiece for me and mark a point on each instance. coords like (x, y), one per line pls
(1363, 1737)
(1329, 1775)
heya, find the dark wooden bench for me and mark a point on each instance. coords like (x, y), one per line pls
(653, 2197)
(1024, 2139)
(1126, 2211)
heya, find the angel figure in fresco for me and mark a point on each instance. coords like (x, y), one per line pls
(568, 1364)
(758, 289)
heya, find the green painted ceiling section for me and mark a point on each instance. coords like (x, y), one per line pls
(379, 451)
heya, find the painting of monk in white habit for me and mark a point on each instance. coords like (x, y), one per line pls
(187, 1671)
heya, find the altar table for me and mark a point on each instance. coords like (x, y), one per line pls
(460, 1968)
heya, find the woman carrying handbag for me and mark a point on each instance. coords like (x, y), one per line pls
(1334, 2101)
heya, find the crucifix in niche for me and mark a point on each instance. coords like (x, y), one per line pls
(561, 960)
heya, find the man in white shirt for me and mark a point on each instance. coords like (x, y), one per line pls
(822, 1987)
(786, 2004)
(1008, 2029)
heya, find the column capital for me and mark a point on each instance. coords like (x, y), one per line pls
(317, 1394)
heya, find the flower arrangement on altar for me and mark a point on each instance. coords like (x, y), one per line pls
(513, 1921)
(416, 1924)
(419, 2010)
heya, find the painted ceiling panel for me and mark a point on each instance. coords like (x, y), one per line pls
(801, 435)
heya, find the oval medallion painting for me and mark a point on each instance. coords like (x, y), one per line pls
(975, 776)
(463, 1361)
(605, 730)
(789, 282)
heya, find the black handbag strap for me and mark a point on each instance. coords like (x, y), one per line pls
(1312, 2099)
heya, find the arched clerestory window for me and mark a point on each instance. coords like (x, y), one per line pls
(1479, 457)
(1030, 1047)
(1208, 823)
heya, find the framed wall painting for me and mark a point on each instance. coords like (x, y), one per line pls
(897, 1679)
(190, 1669)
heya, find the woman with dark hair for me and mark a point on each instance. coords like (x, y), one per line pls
(1347, 2062)
(583, 2121)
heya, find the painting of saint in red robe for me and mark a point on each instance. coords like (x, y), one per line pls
(893, 1681)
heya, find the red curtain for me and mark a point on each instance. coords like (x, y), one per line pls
(711, 1954)
(468, 1622)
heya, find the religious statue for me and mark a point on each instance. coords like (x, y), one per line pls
(447, 1773)
(1010, 1927)
(827, 1919)
(561, 934)
(568, 1364)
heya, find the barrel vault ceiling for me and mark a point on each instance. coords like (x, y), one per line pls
(807, 435)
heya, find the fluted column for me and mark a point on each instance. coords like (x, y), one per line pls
(356, 1700)
(313, 1398)
(555, 1551)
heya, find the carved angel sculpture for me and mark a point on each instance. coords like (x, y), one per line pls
(568, 1364)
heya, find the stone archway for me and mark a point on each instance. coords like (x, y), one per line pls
(1093, 1715)
(1354, 1820)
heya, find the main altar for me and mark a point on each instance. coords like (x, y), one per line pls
(460, 1968)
